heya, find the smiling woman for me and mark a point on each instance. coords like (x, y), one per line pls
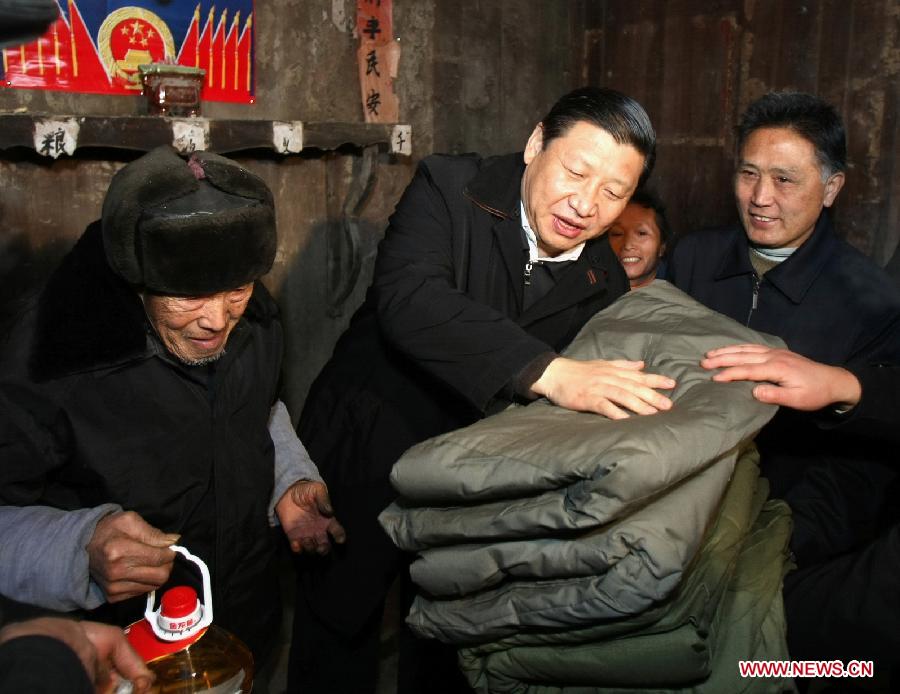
(639, 237)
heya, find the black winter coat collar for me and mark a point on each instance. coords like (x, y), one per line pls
(89, 318)
(498, 186)
(794, 276)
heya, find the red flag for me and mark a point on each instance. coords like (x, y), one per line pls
(84, 61)
(63, 55)
(59, 73)
(39, 63)
(190, 49)
(217, 58)
(204, 48)
(245, 57)
(231, 55)
(29, 65)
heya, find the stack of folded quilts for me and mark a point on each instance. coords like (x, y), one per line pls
(566, 552)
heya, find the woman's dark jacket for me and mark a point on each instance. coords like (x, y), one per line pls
(443, 333)
(97, 411)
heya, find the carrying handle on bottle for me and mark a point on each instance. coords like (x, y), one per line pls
(206, 608)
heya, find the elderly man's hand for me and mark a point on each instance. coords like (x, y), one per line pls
(129, 557)
(102, 649)
(794, 380)
(605, 387)
(305, 513)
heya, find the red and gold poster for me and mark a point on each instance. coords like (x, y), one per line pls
(96, 47)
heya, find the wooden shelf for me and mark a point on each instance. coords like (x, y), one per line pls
(54, 135)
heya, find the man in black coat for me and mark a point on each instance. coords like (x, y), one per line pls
(488, 269)
(137, 402)
(784, 271)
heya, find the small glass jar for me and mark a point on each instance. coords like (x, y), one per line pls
(172, 90)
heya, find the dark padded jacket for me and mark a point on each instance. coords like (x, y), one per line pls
(831, 303)
(442, 332)
(93, 411)
(828, 301)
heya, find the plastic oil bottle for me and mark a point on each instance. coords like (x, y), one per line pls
(186, 651)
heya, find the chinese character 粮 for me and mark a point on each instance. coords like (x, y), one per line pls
(54, 143)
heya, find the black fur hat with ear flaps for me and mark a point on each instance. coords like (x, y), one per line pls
(188, 227)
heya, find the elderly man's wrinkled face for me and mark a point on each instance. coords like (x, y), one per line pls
(195, 329)
(779, 188)
(577, 185)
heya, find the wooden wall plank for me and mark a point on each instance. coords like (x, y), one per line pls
(498, 68)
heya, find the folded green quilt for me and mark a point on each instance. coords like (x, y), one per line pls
(693, 650)
(695, 599)
(620, 570)
(666, 530)
(542, 518)
(535, 471)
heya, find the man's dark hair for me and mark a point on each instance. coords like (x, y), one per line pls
(808, 116)
(648, 199)
(619, 115)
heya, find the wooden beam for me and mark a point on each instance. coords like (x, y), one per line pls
(143, 133)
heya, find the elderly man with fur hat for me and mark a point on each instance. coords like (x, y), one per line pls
(139, 406)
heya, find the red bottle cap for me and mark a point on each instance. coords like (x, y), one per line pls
(178, 606)
(178, 602)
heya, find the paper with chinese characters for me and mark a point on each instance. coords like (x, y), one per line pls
(377, 57)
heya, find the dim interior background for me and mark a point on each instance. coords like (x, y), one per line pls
(476, 76)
